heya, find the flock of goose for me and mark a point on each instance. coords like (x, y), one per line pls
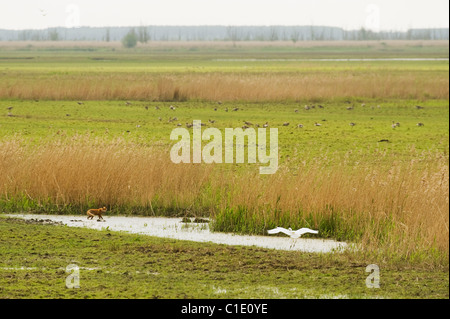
(247, 124)
(265, 125)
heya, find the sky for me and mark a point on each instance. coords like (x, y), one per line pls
(376, 15)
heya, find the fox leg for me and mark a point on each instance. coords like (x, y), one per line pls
(90, 215)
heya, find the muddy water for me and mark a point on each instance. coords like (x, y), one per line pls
(199, 232)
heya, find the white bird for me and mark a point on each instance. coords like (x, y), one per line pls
(292, 233)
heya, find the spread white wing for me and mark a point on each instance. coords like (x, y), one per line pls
(291, 233)
(307, 230)
(280, 230)
(302, 231)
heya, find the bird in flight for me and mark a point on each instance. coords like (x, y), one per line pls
(292, 233)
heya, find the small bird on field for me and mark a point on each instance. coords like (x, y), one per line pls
(420, 124)
(248, 123)
(9, 108)
(352, 124)
(172, 107)
(80, 103)
(300, 126)
(317, 124)
(286, 124)
(266, 125)
(235, 109)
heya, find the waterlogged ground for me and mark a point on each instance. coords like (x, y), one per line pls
(36, 254)
(174, 228)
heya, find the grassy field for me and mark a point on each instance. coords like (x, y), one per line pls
(222, 72)
(115, 265)
(85, 125)
(140, 122)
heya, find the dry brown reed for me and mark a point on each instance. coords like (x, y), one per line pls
(83, 172)
(234, 86)
(398, 206)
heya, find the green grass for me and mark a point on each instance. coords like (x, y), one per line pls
(119, 265)
(69, 63)
(62, 120)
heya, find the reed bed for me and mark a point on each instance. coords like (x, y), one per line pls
(397, 208)
(223, 86)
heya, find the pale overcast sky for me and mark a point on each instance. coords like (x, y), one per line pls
(349, 14)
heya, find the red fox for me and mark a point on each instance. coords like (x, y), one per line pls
(92, 212)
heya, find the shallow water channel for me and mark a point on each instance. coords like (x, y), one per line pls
(174, 228)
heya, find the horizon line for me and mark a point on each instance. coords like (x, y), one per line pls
(223, 25)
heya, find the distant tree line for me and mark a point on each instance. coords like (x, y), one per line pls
(219, 33)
